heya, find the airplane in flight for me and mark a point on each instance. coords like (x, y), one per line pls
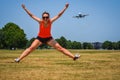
(80, 15)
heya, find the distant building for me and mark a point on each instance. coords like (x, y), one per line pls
(97, 45)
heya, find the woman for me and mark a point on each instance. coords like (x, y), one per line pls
(44, 35)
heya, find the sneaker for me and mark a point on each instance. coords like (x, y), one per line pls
(76, 57)
(17, 60)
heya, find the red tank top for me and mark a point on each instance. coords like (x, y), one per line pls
(45, 31)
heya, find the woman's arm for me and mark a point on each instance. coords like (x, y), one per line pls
(30, 14)
(60, 13)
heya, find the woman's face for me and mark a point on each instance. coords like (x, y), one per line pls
(45, 17)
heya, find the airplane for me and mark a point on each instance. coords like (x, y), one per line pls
(80, 15)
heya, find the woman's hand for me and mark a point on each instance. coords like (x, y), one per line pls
(66, 5)
(23, 6)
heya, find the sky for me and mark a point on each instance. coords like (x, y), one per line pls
(103, 22)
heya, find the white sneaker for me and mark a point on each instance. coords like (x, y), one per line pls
(17, 60)
(76, 57)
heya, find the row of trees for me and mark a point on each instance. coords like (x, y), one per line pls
(78, 45)
(111, 45)
(87, 45)
(12, 36)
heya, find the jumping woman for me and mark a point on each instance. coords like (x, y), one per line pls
(44, 35)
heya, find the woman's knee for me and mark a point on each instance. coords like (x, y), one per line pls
(61, 49)
(30, 49)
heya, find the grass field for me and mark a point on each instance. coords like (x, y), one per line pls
(52, 65)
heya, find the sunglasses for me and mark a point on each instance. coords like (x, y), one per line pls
(45, 17)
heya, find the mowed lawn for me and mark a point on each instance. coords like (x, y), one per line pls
(52, 65)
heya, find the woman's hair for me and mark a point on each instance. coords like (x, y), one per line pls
(45, 13)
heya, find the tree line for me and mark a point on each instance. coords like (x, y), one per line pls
(12, 37)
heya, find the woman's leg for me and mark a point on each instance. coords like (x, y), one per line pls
(33, 46)
(57, 46)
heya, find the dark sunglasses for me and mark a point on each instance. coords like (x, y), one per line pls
(45, 17)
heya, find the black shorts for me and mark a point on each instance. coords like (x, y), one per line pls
(44, 40)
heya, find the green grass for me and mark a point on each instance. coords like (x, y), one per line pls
(52, 65)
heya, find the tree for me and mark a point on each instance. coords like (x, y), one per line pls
(2, 36)
(114, 45)
(118, 43)
(62, 41)
(76, 45)
(87, 45)
(29, 42)
(107, 45)
(14, 37)
(69, 44)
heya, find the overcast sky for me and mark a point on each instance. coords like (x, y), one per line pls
(103, 22)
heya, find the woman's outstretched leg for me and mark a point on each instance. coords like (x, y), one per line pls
(57, 46)
(33, 46)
